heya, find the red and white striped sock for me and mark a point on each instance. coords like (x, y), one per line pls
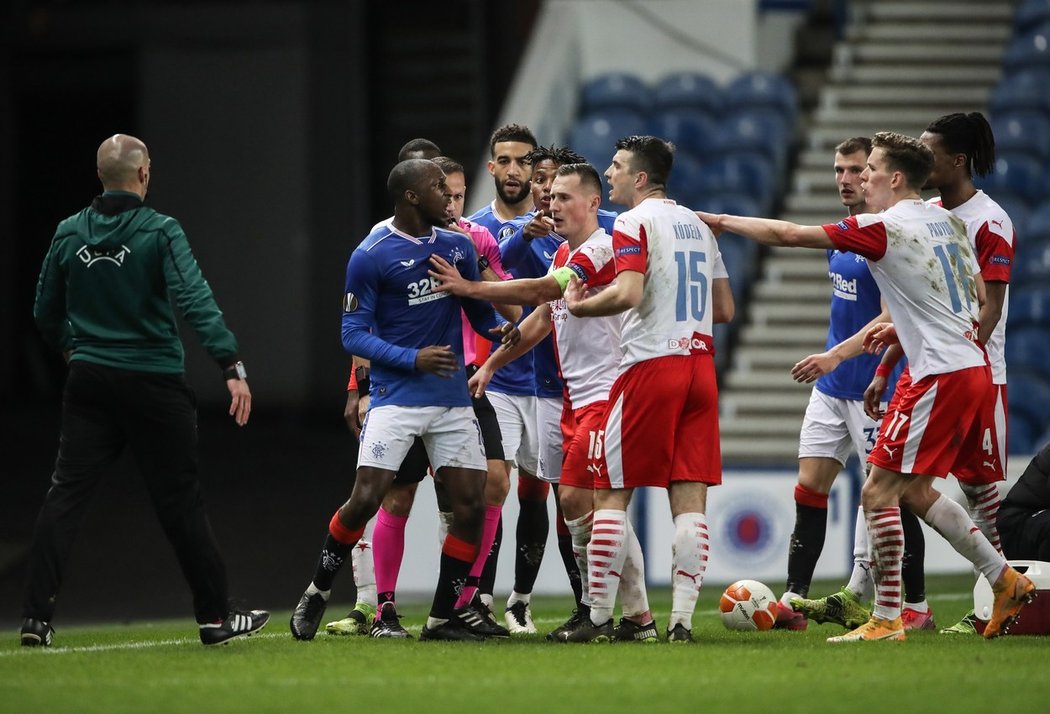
(580, 532)
(688, 564)
(953, 522)
(886, 540)
(984, 503)
(605, 557)
(633, 596)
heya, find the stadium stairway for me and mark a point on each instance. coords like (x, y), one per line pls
(898, 66)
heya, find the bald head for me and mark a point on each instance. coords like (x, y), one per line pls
(123, 163)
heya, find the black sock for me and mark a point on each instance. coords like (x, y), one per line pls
(913, 566)
(333, 555)
(487, 581)
(384, 598)
(571, 567)
(451, 579)
(533, 524)
(811, 524)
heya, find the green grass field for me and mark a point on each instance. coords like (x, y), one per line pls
(161, 667)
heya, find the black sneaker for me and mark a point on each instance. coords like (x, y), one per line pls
(36, 633)
(578, 617)
(679, 633)
(388, 624)
(519, 619)
(630, 631)
(477, 617)
(306, 617)
(236, 624)
(451, 631)
(589, 632)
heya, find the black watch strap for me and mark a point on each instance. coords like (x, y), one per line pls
(235, 371)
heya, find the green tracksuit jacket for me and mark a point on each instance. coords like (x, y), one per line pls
(107, 285)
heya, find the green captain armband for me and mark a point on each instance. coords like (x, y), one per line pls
(563, 275)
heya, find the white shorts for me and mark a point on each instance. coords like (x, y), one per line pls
(833, 427)
(451, 435)
(548, 425)
(517, 425)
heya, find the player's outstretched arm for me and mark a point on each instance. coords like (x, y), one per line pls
(533, 329)
(817, 365)
(525, 291)
(768, 231)
(622, 295)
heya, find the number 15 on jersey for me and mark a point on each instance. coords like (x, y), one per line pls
(692, 285)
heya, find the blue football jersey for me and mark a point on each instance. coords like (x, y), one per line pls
(855, 301)
(390, 312)
(518, 377)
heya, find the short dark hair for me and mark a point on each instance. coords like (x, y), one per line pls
(968, 134)
(511, 132)
(905, 154)
(426, 149)
(405, 176)
(853, 145)
(449, 166)
(588, 174)
(560, 155)
(650, 154)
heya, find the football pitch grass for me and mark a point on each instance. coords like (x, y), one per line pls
(161, 667)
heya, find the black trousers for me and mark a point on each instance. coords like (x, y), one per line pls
(105, 410)
(1024, 532)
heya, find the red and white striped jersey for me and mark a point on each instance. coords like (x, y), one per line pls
(679, 257)
(588, 348)
(994, 239)
(921, 258)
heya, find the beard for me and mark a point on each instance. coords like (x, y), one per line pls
(514, 198)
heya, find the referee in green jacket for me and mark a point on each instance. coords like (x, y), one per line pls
(104, 299)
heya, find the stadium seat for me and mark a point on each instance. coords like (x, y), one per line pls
(737, 204)
(684, 183)
(1029, 307)
(614, 90)
(1031, 14)
(1017, 208)
(763, 90)
(757, 130)
(749, 173)
(1031, 268)
(687, 90)
(690, 130)
(1019, 90)
(1022, 433)
(594, 135)
(1029, 393)
(1016, 172)
(1022, 130)
(1030, 50)
(1027, 348)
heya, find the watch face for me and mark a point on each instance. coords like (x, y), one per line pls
(242, 373)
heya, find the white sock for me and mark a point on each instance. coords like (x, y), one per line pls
(860, 582)
(886, 535)
(487, 599)
(918, 606)
(580, 531)
(953, 523)
(364, 572)
(312, 589)
(433, 622)
(515, 596)
(688, 565)
(605, 556)
(633, 597)
(785, 599)
(983, 504)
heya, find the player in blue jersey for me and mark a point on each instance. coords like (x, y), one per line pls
(514, 393)
(835, 425)
(413, 338)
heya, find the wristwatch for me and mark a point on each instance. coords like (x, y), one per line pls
(235, 371)
(364, 384)
(483, 263)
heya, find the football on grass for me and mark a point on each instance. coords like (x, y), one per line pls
(748, 605)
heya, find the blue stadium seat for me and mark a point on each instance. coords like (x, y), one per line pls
(1017, 208)
(1022, 89)
(748, 173)
(688, 129)
(757, 130)
(737, 204)
(687, 90)
(1022, 130)
(1029, 307)
(740, 265)
(614, 90)
(1031, 268)
(1032, 49)
(1029, 394)
(1027, 349)
(1031, 14)
(1022, 433)
(594, 135)
(683, 185)
(1015, 172)
(763, 90)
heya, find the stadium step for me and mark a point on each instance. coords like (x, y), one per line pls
(840, 96)
(944, 11)
(931, 31)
